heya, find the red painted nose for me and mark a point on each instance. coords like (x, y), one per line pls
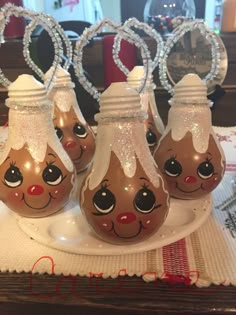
(69, 144)
(35, 190)
(126, 217)
(190, 179)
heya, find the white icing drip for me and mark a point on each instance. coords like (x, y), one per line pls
(144, 155)
(65, 99)
(74, 183)
(124, 148)
(134, 80)
(78, 112)
(127, 141)
(193, 118)
(149, 98)
(36, 131)
(101, 161)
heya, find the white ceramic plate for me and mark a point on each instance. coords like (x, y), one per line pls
(69, 232)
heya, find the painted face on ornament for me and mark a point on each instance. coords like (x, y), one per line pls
(34, 189)
(77, 138)
(152, 134)
(189, 174)
(122, 209)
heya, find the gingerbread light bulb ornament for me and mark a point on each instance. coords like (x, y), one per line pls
(153, 124)
(72, 130)
(36, 174)
(124, 196)
(189, 154)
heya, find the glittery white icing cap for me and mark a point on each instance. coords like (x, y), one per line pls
(25, 87)
(190, 112)
(119, 96)
(135, 76)
(63, 94)
(190, 89)
(30, 121)
(62, 77)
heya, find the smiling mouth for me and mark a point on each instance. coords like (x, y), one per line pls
(77, 160)
(141, 227)
(40, 208)
(189, 192)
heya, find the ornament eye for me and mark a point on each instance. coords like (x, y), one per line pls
(80, 131)
(151, 138)
(144, 200)
(205, 170)
(13, 177)
(172, 167)
(59, 133)
(104, 200)
(52, 175)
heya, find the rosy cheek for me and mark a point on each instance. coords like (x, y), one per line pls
(104, 224)
(211, 184)
(15, 197)
(58, 193)
(148, 222)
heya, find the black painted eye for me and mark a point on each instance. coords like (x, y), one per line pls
(80, 131)
(144, 200)
(52, 175)
(172, 167)
(13, 177)
(205, 170)
(59, 133)
(151, 138)
(104, 200)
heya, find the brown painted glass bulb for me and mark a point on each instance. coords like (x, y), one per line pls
(123, 197)
(36, 175)
(72, 130)
(189, 154)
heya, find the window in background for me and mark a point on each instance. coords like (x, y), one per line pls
(130, 8)
(34, 5)
(111, 9)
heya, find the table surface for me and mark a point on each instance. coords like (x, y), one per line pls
(33, 294)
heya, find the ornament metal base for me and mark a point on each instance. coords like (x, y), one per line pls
(68, 231)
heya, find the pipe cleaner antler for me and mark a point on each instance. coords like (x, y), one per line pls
(123, 32)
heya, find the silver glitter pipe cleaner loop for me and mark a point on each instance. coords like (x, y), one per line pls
(27, 40)
(26, 52)
(134, 23)
(178, 33)
(123, 32)
(10, 9)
